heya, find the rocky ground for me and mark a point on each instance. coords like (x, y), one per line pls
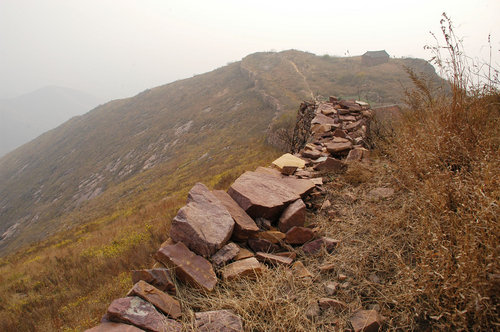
(293, 222)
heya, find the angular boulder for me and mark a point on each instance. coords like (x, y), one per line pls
(159, 277)
(203, 224)
(188, 267)
(299, 235)
(288, 161)
(248, 267)
(225, 254)
(244, 226)
(162, 301)
(330, 165)
(134, 310)
(219, 320)
(294, 215)
(262, 195)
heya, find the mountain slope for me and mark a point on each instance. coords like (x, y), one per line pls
(128, 152)
(25, 117)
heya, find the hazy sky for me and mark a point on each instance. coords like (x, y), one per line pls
(117, 48)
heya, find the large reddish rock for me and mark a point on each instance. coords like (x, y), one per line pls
(315, 246)
(189, 267)
(162, 301)
(134, 310)
(159, 277)
(366, 321)
(294, 215)
(301, 187)
(114, 327)
(244, 226)
(219, 320)
(262, 195)
(248, 267)
(203, 224)
(299, 235)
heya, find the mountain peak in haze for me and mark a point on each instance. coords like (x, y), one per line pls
(27, 116)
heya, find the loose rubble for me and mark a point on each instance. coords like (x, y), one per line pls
(264, 213)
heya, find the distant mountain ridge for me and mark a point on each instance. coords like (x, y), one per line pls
(131, 151)
(25, 117)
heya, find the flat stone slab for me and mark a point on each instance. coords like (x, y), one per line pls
(315, 246)
(159, 277)
(248, 267)
(244, 253)
(338, 147)
(366, 321)
(244, 226)
(289, 160)
(273, 259)
(271, 236)
(294, 215)
(189, 267)
(203, 224)
(323, 119)
(225, 254)
(299, 235)
(313, 154)
(264, 245)
(134, 310)
(162, 301)
(114, 327)
(262, 195)
(219, 320)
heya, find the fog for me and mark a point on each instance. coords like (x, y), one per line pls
(114, 49)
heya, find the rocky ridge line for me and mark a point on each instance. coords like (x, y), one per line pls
(252, 227)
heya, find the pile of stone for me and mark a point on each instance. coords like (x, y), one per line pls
(259, 223)
(337, 134)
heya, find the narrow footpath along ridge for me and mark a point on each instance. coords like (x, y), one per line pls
(264, 213)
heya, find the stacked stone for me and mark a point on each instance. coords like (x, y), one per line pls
(260, 222)
(338, 135)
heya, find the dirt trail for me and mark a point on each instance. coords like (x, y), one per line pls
(303, 77)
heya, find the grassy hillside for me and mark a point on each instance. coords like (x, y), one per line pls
(129, 152)
(66, 281)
